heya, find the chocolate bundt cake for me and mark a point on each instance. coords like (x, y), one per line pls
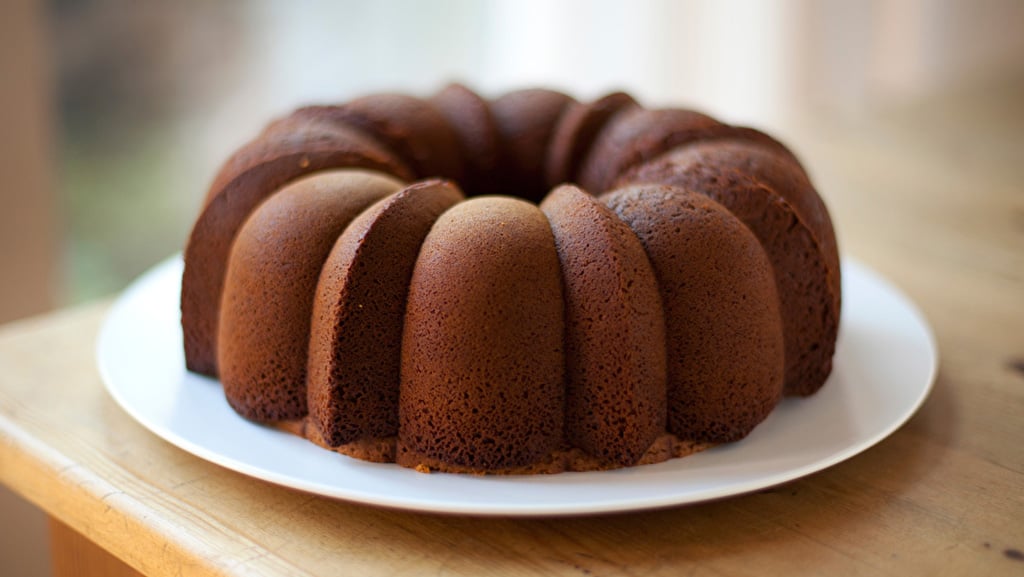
(342, 287)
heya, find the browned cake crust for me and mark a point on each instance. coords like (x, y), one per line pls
(411, 127)
(615, 330)
(359, 311)
(746, 178)
(526, 121)
(725, 344)
(309, 128)
(576, 129)
(483, 359)
(635, 134)
(769, 162)
(479, 145)
(268, 291)
(258, 170)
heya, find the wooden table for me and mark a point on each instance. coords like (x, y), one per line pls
(933, 199)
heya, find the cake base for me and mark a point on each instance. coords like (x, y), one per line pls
(570, 459)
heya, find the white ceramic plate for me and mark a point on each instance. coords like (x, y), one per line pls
(884, 368)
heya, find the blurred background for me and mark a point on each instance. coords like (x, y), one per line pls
(116, 113)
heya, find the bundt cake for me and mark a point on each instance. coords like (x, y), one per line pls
(342, 287)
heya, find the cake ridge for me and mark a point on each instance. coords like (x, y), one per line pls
(811, 313)
(615, 395)
(268, 291)
(209, 243)
(353, 388)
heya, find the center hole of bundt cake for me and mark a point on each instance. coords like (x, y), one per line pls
(517, 144)
(524, 186)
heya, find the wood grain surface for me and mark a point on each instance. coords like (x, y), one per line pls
(931, 198)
